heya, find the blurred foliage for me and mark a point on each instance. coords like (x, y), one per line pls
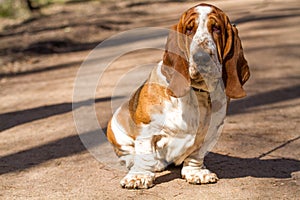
(8, 8)
(17, 8)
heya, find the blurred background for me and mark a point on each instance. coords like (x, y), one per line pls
(42, 46)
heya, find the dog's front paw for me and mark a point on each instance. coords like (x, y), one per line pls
(199, 176)
(138, 180)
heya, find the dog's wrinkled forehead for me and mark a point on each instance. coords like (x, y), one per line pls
(202, 20)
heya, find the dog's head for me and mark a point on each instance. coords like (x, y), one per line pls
(202, 48)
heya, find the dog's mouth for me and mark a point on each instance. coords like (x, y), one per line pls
(199, 85)
(205, 82)
(209, 69)
(205, 76)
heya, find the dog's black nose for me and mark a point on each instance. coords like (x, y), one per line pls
(201, 57)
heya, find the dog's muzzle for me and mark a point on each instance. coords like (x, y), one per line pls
(204, 65)
(204, 68)
(203, 58)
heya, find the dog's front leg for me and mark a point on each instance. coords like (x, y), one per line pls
(141, 174)
(194, 171)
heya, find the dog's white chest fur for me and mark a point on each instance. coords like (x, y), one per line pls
(175, 127)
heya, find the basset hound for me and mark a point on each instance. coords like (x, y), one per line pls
(167, 119)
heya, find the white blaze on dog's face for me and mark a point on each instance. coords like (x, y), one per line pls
(203, 58)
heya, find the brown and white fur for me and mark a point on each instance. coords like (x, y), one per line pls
(168, 117)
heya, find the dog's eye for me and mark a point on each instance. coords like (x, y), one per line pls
(189, 29)
(216, 29)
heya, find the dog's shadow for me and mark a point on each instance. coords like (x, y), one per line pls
(174, 173)
(228, 167)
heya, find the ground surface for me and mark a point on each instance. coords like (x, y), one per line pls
(42, 157)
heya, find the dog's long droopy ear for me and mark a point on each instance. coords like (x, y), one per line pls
(175, 66)
(235, 67)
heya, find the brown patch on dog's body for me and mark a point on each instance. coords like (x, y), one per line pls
(143, 101)
(146, 101)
